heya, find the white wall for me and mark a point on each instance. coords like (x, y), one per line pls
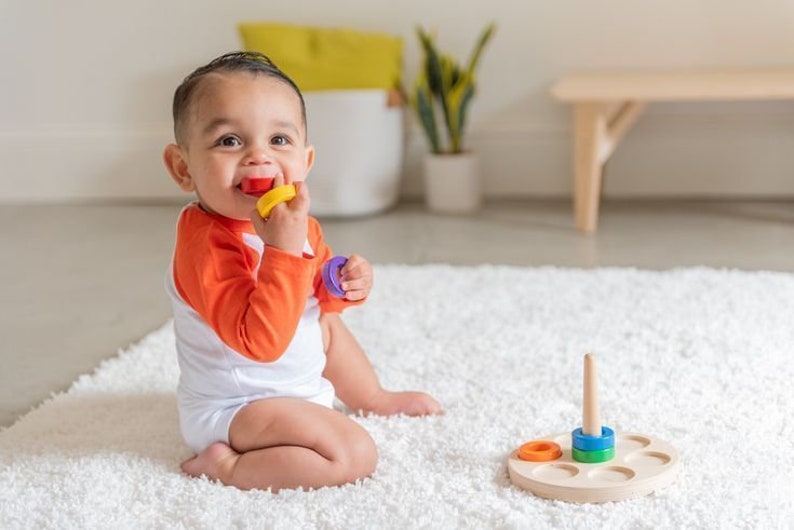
(86, 89)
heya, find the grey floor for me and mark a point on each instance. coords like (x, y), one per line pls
(80, 282)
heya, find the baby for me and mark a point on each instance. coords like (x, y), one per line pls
(262, 349)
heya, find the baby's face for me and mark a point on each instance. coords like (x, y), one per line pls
(243, 126)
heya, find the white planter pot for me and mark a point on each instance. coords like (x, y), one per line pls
(452, 183)
(355, 173)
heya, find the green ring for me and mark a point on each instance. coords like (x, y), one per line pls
(593, 457)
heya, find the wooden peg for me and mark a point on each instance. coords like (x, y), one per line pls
(591, 419)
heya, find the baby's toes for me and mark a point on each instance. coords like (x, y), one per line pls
(422, 404)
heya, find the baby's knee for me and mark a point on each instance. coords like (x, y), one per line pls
(362, 457)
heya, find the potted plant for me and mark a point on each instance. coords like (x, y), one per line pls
(442, 93)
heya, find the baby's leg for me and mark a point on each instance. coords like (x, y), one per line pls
(288, 443)
(355, 382)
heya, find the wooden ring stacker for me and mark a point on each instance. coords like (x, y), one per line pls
(331, 270)
(631, 465)
(276, 196)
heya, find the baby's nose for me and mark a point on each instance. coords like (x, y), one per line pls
(256, 156)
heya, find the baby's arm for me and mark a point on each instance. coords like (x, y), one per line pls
(254, 313)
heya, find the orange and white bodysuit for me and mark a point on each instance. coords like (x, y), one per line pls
(246, 320)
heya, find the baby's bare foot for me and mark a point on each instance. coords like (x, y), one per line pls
(408, 403)
(216, 462)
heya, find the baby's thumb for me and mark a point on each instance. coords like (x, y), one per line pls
(301, 199)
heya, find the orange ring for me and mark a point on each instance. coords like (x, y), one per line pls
(539, 451)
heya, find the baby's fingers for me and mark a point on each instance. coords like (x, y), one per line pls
(356, 267)
(360, 284)
(355, 295)
(301, 200)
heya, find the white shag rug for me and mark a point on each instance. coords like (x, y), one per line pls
(701, 358)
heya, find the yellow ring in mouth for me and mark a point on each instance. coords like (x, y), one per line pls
(277, 195)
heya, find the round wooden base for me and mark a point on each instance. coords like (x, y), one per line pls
(642, 464)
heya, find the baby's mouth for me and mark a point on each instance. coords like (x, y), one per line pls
(256, 186)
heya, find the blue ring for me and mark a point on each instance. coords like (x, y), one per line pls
(587, 442)
(330, 270)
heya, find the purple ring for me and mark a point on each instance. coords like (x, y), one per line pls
(331, 270)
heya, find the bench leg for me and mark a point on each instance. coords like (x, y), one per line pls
(590, 136)
(598, 128)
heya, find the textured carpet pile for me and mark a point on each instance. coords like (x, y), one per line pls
(701, 358)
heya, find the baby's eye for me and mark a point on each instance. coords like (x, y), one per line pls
(229, 141)
(280, 140)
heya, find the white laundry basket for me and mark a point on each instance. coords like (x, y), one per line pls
(359, 144)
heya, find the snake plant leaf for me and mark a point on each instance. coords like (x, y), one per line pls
(451, 69)
(423, 102)
(432, 66)
(485, 36)
(448, 70)
(458, 99)
(468, 95)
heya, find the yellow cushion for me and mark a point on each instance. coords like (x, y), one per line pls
(326, 58)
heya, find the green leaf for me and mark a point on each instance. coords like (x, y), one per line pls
(423, 103)
(432, 66)
(448, 72)
(468, 95)
(459, 97)
(485, 36)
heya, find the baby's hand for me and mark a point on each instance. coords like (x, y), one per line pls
(287, 225)
(356, 278)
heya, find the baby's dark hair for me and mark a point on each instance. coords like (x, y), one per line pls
(254, 62)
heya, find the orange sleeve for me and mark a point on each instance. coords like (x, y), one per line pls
(254, 314)
(322, 253)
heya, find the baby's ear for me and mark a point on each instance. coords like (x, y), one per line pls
(174, 159)
(309, 158)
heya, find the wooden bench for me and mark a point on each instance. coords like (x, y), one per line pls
(606, 105)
